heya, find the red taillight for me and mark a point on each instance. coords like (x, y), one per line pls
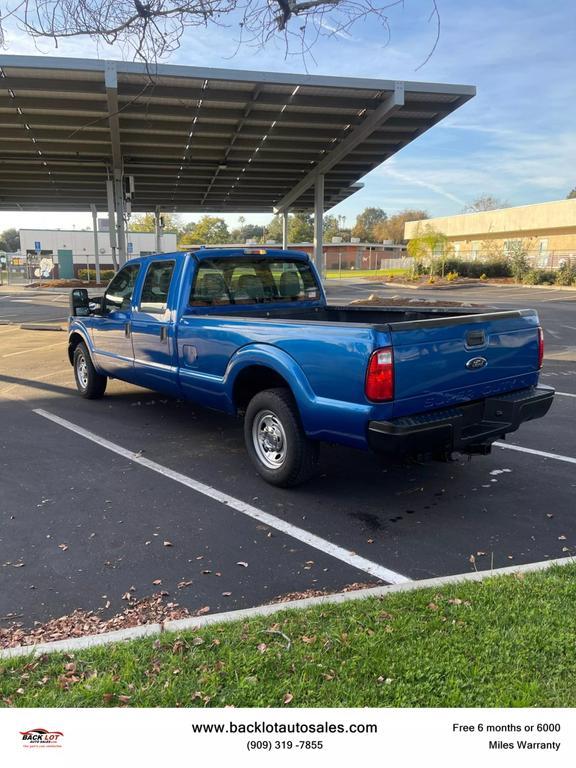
(380, 375)
(540, 347)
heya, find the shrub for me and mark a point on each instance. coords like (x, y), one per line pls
(532, 277)
(90, 275)
(419, 268)
(546, 276)
(566, 274)
(483, 276)
(451, 276)
(475, 269)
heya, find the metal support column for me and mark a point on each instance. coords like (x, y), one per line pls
(284, 215)
(96, 251)
(318, 224)
(120, 228)
(158, 230)
(112, 221)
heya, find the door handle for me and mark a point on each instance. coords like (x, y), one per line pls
(128, 330)
(163, 333)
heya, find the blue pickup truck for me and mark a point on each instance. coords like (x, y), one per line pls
(249, 331)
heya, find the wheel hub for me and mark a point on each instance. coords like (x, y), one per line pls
(269, 439)
(82, 371)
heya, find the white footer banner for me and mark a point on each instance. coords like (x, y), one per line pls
(279, 737)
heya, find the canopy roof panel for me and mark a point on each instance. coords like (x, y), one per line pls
(198, 139)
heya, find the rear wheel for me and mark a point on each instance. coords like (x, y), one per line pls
(89, 382)
(275, 440)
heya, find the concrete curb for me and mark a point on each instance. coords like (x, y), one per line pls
(475, 284)
(197, 622)
(433, 287)
(5, 322)
(80, 643)
(33, 327)
(543, 287)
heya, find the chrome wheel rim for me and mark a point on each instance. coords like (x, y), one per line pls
(269, 439)
(82, 371)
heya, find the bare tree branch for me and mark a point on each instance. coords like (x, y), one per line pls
(152, 29)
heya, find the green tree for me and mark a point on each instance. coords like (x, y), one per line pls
(146, 222)
(518, 258)
(366, 223)
(273, 230)
(10, 240)
(210, 230)
(427, 247)
(393, 227)
(300, 228)
(246, 231)
(571, 194)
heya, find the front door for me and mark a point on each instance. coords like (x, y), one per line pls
(152, 331)
(112, 333)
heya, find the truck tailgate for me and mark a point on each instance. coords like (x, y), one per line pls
(450, 360)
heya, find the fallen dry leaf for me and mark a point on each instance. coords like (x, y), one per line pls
(242, 563)
(168, 544)
(288, 697)
(157, 581)
(151, 610)
(63, 547)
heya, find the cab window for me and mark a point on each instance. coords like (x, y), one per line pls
(119, 293)
(253, 281)
(154, 296)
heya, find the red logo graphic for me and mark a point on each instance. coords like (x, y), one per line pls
(40, 737)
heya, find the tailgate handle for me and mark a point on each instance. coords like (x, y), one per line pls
(475, 338)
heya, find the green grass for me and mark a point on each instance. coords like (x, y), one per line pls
(334, 274)
(507, 641)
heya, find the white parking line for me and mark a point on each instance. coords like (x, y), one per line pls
(565, 394)
(350, 558)
(544, 454)
(35, 349)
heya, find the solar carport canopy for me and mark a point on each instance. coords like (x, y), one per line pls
(197, 139)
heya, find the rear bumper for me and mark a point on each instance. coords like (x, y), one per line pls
(469, 428)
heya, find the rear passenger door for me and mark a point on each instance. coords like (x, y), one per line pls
(153, 339)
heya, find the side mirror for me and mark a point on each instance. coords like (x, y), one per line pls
(79, 302)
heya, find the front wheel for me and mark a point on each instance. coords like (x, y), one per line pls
(89, 382)
(276, 442)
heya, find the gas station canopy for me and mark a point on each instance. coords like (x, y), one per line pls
(196, 139)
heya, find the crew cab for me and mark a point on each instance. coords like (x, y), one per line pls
(249, 332)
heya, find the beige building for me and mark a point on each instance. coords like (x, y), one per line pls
(547, 231)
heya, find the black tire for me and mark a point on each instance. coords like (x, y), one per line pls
(89, 382)
(273, 417)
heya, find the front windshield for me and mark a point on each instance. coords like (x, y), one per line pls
(253, 281)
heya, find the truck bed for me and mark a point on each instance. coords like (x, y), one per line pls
(375, 316)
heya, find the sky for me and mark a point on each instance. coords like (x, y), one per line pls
(515, 140)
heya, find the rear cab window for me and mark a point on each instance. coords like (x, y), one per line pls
(239, 281)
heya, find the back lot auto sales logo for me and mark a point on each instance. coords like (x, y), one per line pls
(40, 737)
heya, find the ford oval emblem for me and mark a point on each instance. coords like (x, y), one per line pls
(476, 362)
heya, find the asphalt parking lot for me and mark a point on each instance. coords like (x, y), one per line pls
(84, 517)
